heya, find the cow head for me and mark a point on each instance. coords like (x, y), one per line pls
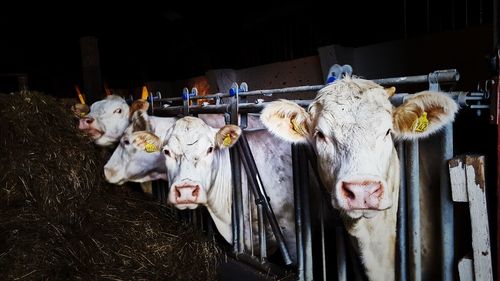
(137, 158)
(106, 121)
(351, 125)
(193, 153)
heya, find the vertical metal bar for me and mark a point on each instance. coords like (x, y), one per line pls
(306, 213)
(414, 210)
(238, 223)
(323, 244)
(262, 234)
(341, 253)
(446, 206)
(402, 247)
(298, 212)
(237, 208)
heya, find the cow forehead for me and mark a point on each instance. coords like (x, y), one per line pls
(352, 108)
(106, 105)
(190, 135)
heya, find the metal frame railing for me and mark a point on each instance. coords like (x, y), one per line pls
(408, 250)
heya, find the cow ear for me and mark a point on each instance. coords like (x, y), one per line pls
(227, 136)
(286, 120)
(140, 121)
(138, 105)
(147, 141)
(423, 114)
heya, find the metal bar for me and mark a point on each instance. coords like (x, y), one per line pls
(238, 222)
(443, 76)
(261, 197)
(323, 241)
(298, 211)
(340, 248)
(402, 230)
(446, 206)
(414, 211)
(450, 75)
(237, 227)
(306, 213)
(262, 233)
(461, 97)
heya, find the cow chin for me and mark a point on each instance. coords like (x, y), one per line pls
(105, 141)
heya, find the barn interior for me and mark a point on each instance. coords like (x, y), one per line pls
(166, 47)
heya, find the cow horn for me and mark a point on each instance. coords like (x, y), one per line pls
(390, 91)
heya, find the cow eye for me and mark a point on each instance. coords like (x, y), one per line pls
(320, 135)
(166, 151)
(388, 132)
(126, 142)
(118, 110)
(210, 150)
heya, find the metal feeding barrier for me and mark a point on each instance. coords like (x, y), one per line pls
(408, 242)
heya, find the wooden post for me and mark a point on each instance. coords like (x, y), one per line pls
(92, 83)
(468, 173)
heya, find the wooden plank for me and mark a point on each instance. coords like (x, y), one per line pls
(465, 270)
(474, 169)
(457, 180)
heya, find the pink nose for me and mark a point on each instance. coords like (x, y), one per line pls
(85, 122)
(186, 194)
(362, 194)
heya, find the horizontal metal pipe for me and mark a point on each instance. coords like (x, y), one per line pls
(441, 76)
(397, 99)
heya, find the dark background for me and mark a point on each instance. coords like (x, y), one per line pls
(176, 40)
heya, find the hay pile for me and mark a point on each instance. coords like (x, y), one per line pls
(60, 221)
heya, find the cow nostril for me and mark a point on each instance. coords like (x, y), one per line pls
(378, 190)
(177, 193)
(196, 191)
(348, 193)
(89, 120)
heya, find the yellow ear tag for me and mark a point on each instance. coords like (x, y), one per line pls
(420, 124)
(149, 147)
(227, 140)
(297, 127)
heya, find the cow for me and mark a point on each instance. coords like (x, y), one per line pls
(351, 125)
(198, 168)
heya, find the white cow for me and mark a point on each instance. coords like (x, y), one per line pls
(199, 172)
(351, 125)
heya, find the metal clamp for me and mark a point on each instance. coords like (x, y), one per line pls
(337, 71)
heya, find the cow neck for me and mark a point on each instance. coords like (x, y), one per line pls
(219, 197)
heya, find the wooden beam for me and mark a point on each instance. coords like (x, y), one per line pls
(91, 70)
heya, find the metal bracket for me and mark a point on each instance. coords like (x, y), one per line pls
(244, 117)
(185, 101)
(337, 71)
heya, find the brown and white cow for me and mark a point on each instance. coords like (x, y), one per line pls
(351, 124)
(199, 172)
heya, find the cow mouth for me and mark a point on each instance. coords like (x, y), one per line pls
(366, 213)
(93, 133)
(182, 205)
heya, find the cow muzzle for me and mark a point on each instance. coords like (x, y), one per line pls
(88, 125)
(362, 195)
(186, 195)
